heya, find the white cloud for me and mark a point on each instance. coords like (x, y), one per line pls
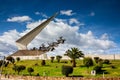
(19, 19)
(87, 42)
(105, 36)
(37, 13)
(92, 14)
(60, 28)
(67, 12)
(7, 42)
(73, 20)
(42, 14)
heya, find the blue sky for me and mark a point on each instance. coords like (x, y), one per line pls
(95, 18)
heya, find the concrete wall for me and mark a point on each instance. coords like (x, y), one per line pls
(102, 56)
(43, 56)
(105, 56)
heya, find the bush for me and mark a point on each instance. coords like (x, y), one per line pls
(30, 70)
(66, 70)
(43, 62)
(96, 59)
(19, 68)
(22, 67)
(106, 61)
(58, 57)
(15, 68)
(18, 58)
(88, 62)
(52, 59)
(10, 59)
(97, 68)
(64, 61)
(36, 64)
(37, 74)
(3, 63)
(100, 60)
(112, 66)
(6, 64)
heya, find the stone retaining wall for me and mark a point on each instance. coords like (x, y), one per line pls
(55, 78)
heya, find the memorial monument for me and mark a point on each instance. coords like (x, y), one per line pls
(26, 39)
(23, 42)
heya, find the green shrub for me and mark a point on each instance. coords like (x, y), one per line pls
(37, 74)
(52, 59)
(6, 64)
(36, 64)
(96, 59)
(100, 60)
(106, 61)
(112, 66)
(97, 68)
(18, 58)
(3, 63)
(58, 57)
(88, 62)
(30, 70)
(43, 62)
(10, 59)
(66, 70)
(19, 68)
(64, 61)
(22, 67)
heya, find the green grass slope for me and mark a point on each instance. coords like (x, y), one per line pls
(54, 69)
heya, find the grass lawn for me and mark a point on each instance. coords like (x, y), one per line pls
(54, 69)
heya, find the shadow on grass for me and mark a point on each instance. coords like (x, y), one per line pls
(103, 71)
(76, 76)
(82, 66)
(45, 65)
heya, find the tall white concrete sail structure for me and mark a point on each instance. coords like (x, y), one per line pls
(26, 39)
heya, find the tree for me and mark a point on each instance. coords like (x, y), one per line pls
(88, 62)
(74, 53)
(19, 68)
(6, 64)
(66, 70)
(10, 59)
(30, 70)
(58, 57)
(52, 59)
(18, 58)
(2, 63)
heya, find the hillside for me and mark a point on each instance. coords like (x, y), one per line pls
(54, 69)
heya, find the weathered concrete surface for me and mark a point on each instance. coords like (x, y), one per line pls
(13, 77)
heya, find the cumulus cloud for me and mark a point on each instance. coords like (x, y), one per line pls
(60, 28)
(67, 12)
(19, 19)
(7, 42)
(105, 36)
(86, 42)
